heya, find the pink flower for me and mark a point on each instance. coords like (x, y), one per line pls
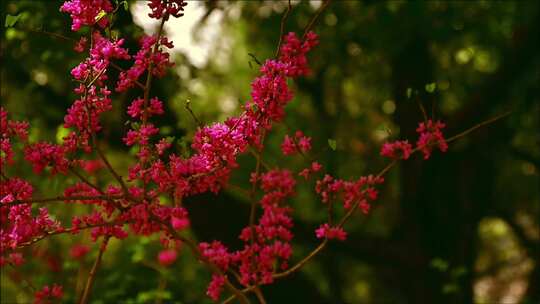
(215, 287)
(44, 154)
(315, 167)
(16, 258)
(78, 251)
(325, 231)
(216, 253)
(80, 45)
(431, 135)
(300, 142)
(143, 58)
(165, 8)
(167, 257)
(136, 109)
(46, 294)
(293, 52)
(396, 150)
(84, 12)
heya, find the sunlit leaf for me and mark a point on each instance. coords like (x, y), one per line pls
(11, 20)
(332, 144)
(430, 87)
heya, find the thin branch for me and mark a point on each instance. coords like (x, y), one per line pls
(195, 250)
(311, 23)
(342, 222)
(85, 180)
(93, 271)
(59, 199)
(486, 122)
(188, 108)
(70, 230)
(55, 35)
(111, 170)
(282, 27)
(253, 213)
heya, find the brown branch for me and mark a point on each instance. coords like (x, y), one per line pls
(85, 180)
(252, 214)
(315, 17)
(70, 230)
(111, 170)
(282, 28)
(196, 252)
(486, 122)
(55, 35)
(188, 108)
(342, 222)
(62, 199)
(92, 276)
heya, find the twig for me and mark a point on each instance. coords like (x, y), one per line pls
(188, 108)
(93, 271)
(486, 122)
(111, 170)
(317, 14)
(55, 35)
(195, 250)
(282, 28)
(61, 199)
(342, 222)
(252, 214)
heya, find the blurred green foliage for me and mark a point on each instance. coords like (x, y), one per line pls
(460, 228)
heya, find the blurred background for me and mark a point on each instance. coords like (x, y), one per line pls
(462, 227)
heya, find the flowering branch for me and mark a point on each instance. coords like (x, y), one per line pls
(136, 201)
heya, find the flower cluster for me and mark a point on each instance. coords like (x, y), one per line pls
(267, 245)
(137, 205)
(167, 257)
(44, 154)
(294, 53)
(46, 294)
(149, 56)
(400, 149)
(8, 130)
(360, 192)
(430, 136)
(85, 12)
(298, 143)
(162, 9)
(326, 231)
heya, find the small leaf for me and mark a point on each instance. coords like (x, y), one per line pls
(409, 93)
(61, 132)
(459, 271)
(439, 264)
(100, 15)
(430, 87)
(332, 143)
(11, 20)
(450, 288)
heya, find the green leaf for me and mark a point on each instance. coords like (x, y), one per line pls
(409, 93)
(332, 143)
(61, 132)
(439, 264)
(11, 20)
(450, 288)
(126, 5)
(430, 87)
(100, 15)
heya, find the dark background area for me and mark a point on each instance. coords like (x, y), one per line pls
(462, 227)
